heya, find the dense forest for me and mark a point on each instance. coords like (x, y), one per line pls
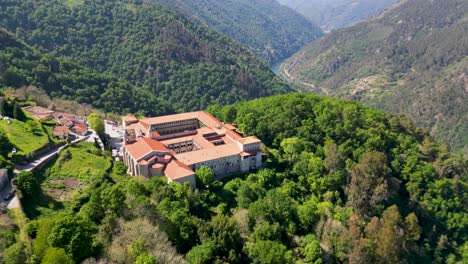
(61, 78)
(411, 59)
(187, 65)
(272, 31)
(335, 14)
(342, 183)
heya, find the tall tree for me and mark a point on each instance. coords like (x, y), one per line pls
(18, 113)
(371, 184)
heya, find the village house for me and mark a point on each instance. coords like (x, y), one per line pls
(74, 123)
(61, 132)
(175, 146)
(79, 129)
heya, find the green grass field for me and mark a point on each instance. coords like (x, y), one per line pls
(80, 162)
(63, 181)
(25, 139)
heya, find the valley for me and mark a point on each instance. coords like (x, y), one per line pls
(156, 131)
(398, 62)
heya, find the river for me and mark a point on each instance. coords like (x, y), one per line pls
(276, 68)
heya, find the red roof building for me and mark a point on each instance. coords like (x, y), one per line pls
(80, 129)
(61, 132)
(176, 146)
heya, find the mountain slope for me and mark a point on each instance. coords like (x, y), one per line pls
(21, 66)
(411, 59)
(272, 31)
(347, 168)
(187, 65)
(334, 14)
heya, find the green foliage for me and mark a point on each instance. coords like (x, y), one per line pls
(165, 61)
(273, 32)
(269, 252)
(26, 183)
(5, 145)
(63, 79)
(145, 259)
(343, 167)
(312, 250)
(204, 176)
(96, 122)
(366, 187)
(398, 63)
(26, 137)
(14, 254)
(73, 234)
(11, 248)
(202, 254)
(80, 161)
(56, 256)
(119, 168)
(18, 113)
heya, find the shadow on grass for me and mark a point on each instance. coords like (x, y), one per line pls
(40, 203)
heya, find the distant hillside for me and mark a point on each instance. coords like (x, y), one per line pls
(334, 14)
(411, 59)
(186, 65)
(23, 66)
(272, 31)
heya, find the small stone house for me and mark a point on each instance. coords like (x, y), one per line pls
(61, 132)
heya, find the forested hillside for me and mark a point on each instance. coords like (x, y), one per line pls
(411, 59)
(272, 31)
(334, 14)
(186, 65)
(61, 78)
(343, 183)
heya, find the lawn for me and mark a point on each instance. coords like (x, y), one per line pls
(25, 139)
(63, 182)
(82, 162)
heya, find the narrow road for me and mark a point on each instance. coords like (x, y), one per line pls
(14, 202)
(46, 156)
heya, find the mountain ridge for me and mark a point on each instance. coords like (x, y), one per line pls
(188, 66)
(410, 59)
(334, 14)
(272, 31)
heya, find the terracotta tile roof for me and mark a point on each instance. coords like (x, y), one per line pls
(202, 142)
(80, 128)
(66, 122)
(176, 170)
(143, 146)
(130, 118)
(203, 155)
(203, 116)
(167, 142)
(154, 134)
(250, 140)
(169, 118)
(137, 127)
(230, 126)
(157, 166)
(240, 139)
(178, 164)
(234, 135)
(143, 162)
(61, 131)
(209, 120)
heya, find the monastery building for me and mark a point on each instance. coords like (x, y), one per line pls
(175, 146)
